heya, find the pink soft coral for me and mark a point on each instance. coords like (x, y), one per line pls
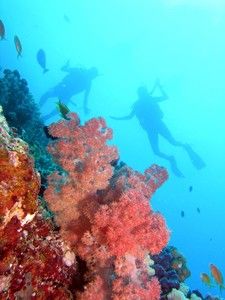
(129, 226)
(82, 153)
(105, 214)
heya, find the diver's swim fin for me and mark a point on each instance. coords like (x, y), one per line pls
(174, 168)
(195, 158)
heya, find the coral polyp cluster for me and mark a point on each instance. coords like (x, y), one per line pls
(171, 270)
(23, 117)
(104, 215)
(32, 256)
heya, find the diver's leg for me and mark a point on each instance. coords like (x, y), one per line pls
(165, 132)
(153, 139)
(53, 113)
(195, 158)
(49, 94)
(55, 92)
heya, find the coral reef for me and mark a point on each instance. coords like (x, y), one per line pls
(34, 261)
(107, 243)
(17, 103)
(171, 269)
(22, 115)
(107, 228)
(105, 216)
(179, 264)
(179, 295)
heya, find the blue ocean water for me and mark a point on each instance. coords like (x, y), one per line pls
(132, 43)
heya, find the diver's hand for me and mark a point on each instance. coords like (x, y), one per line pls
(158, 84)
(157, 81)
(66, 66)
(114, 118)
(155, 86)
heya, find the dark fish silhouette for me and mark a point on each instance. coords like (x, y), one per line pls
(2, 30)
(41, 59)
(182, 213)
(190, 188)
(198, 210)
(66, 18)
(18, 45)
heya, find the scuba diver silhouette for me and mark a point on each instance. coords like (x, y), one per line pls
(150, 117)
(76, 81)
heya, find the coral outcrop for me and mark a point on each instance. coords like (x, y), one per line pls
(34, 262)
(106, 242)
(23, 116)
(171, 269)
(105, 216)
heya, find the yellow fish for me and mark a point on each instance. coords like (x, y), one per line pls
(205, 279)
(176, 264)
(217, 275)
(18, 45)
(2, 30)
(63, 109)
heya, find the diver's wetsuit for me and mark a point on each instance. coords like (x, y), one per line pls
(150, 117)
(76, 81)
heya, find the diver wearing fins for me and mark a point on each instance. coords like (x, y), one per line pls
(77, 80)
(150, 116)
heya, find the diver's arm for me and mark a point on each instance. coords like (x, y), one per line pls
(130, 116)
(164, 95)
(154, 87)
(66, 67)
(86, 95)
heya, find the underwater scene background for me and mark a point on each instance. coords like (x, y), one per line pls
(133, 43)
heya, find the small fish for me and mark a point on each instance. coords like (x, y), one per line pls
(190, 188)
(217, 275)
(182, 213)
(66, 18)
(198, 210)
(41, 59)
(18, 45)
(176, 264)
(2, 30)
(206, 279)
(63, 109)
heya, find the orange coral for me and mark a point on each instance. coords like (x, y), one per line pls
(33, 259)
